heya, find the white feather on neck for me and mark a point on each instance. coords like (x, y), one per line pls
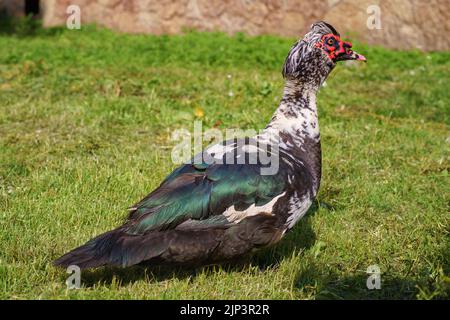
(293, 116)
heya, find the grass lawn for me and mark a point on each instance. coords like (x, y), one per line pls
(86, 118)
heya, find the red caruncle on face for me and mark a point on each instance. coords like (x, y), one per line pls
(334, 46)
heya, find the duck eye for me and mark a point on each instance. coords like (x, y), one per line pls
(330, 41)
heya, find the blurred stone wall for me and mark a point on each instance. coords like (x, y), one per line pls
(405, 24)
(14, 8)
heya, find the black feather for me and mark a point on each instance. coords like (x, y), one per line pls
(333, 30)
(115, 248)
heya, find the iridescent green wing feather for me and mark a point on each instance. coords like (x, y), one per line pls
(203, 192)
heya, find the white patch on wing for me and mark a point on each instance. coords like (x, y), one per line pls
(249, 148)
(290, 178)
(219, 150)
(298, 206)
(236, 216)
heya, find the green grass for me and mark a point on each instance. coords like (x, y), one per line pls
(85, 124)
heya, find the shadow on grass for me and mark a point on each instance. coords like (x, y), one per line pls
(430, 283)
(333, 286)
(125, 276)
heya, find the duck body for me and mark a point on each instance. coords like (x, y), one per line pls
(229, 200)
(206, 213)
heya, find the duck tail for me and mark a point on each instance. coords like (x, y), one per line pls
(95, 253)
(112, 248)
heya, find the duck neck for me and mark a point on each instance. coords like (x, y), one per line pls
(296, 122)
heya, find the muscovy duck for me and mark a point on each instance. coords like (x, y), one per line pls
(213, 211)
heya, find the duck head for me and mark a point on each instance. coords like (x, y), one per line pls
(312, 58)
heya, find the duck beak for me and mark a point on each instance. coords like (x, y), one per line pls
(351, 55)
(356, 56)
